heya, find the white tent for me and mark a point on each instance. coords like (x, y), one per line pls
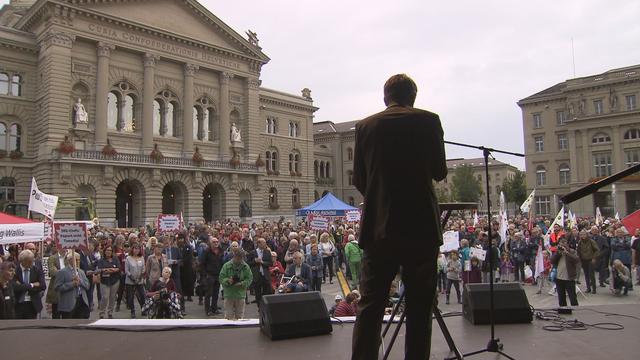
(14, 229)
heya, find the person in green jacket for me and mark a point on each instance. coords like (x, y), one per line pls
(353, 255)
(235, 278)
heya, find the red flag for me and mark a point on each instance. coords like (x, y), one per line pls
(632, 222)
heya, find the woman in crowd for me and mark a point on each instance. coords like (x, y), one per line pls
(187, 273)
(621, 249)
(347, 307)
(314, 260)
(7, 295)
(162, 299)
(134, 281)
(353, 255)
(155, 263)
(328, 251)
(454, 269)
(276, 270)
(621, 278)
(109, 269)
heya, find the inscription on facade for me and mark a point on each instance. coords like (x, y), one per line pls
(148, 42)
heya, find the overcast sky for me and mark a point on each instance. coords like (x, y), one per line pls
(472, 60)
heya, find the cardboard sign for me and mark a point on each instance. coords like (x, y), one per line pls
(70, 235)
(451, 241)
(353, 215)
(318, 222)
(479, 253)
(168, 223)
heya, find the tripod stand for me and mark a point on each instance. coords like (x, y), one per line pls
(494, 345)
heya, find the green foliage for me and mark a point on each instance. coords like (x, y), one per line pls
(466, 187)
(515, 188)
(441, 194)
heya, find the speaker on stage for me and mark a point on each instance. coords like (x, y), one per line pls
(510, 304)
(286, 316)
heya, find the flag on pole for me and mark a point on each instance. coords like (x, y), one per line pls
(526, 205)
(617, 216)
(475, 218)
(559, 220)
(40, 202)
(503, 204)
(599, 220)
(632, 222)
(571, 220)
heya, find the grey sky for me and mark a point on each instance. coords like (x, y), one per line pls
(472, 60)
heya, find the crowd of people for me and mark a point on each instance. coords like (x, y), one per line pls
(232, 264)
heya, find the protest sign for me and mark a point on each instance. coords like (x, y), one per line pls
(353, 215)
(450, 241)
(70, 235)
(479, 253)
(40, 202)
(168, 223)
(318, 222)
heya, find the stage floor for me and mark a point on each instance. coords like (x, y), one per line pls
(522, 341)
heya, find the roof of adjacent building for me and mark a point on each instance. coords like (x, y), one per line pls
(609, 76)
(324, 127)
(475, 162)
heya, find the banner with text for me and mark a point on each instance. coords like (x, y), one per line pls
(168, 223)
(451, 241)
(40, 202)
(353, 215)
(479, 253)
(70, 235)
(318, 222)
(21, 233)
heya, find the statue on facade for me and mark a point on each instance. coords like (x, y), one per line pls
(81, 116)
(235, 134)
(245, 209)
(613, 99)
(582, 105)
(253, 38)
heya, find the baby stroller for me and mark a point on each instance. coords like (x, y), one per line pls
(166, 305)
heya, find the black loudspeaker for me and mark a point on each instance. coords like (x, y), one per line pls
(286, 316)
(510, 304)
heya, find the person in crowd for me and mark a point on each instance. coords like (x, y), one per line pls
(29, 284)
(506, 267)
(604, 253)
(518, 250)
(454, 270)
(314, 260)
(260, 261)
(328, 251)
(276, 270)
(555, 238)
(149, 249)
(246, 242)
(174, 259)
(134, 278)
(187, 274)
(72, 286)
(635, 251)
(487, 272)
(163, 299)
(336, 301)
(109, 269)
(442, 273)
(121, 250)
(7, 294)
(465, 259)
(353, 255)
(211, 263)
(155, 263)
(55, 264)
(301, 274)
(293, 248)
(228, 253)
(566, 261)
(621, 278)
(543, 277)
(621, 249)
(588, 251)
(348, 306)
(88, 265)
(475, 274)
(235, 278)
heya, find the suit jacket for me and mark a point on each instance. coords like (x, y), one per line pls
(305, 273)
(398, 153)
(267, 261)
(35, 276)
(67, 292)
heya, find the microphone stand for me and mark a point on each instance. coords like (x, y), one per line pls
(494, 345)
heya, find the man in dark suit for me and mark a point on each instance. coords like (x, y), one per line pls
(260, 260)
(302, 273)
(398, 154)
(29, 286)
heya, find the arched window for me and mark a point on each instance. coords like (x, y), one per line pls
(211, 121)
(328, 170)
(541, 176)
(113, 111)
(273, 198)
(165, 118)
(295, 198)
(291, 163)
(268, 162)
(632, 134)
(3, 136)
(272, 125)
(350, 154)
(316, 195)
(350, 178)
(322, 173)
(16, 85)
(600, 138)
(296, 162)
(565, 174)
(290, 128)
(157, 116)
(128, 118)
(15, 137)
(7, 190)
(272, 160)
(4, 83)
(315, 169)
(296, 130)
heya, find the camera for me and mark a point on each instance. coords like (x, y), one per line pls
(164, 294)
(235, 279)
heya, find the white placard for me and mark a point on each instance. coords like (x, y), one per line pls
(353, 215)
(479, 253)
(70, 235)
(40, 202)
(318, 222)
(450, 241)
(168, 222)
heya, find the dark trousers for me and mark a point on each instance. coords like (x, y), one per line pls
(80, 311)
(442, 280)
(589, 274)
(456, 285)
(328, 263)
(121, 289)
(518, 270)
(138, 291)
(55, 314)
(603, 270)
(565, 287)
(25, 311)
(419, 279)
(211, 294)
(262, 286)
(316, 284)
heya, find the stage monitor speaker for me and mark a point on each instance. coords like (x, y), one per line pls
(286, 316)
(510, 304)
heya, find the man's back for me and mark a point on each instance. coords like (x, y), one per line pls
(398, 153)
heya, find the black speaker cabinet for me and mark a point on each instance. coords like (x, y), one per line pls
(510, 304)
(286, 316)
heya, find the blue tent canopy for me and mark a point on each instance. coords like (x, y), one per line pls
(328, 205)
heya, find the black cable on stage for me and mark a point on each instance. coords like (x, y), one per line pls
(561, 324)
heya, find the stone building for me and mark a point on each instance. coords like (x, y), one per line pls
(146, 107)
(582, 130)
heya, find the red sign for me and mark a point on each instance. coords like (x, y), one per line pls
(70, 235)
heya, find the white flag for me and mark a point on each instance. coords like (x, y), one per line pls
(40, 202)
(526, 205)
(617, 216)
(599, 220)
(475, 219)
(558, 220)
(539, 262)
(504, 227)
(571, 220)
(503, 204)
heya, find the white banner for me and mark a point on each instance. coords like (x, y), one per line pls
(479, 253)
(526, 205)
(168, 222)
(70, 235)
(353, 215)
(318, 222)
(21, 233)
(40, 202)
(451, 241)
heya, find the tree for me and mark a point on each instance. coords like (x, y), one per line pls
(466, 187)
(441, 193)
(515, 188)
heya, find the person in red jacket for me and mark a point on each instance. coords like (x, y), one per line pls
(348, 306)
(555, 238)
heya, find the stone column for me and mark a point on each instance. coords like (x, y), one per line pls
(102, 92)
(225, 126)
(616, 150)
(252, 125)
(573, 157)
(187, 109)
(148, 95)
(586, 158)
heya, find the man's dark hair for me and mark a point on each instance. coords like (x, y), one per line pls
(400, 89)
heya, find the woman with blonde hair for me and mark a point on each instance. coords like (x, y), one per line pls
(327, 250)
